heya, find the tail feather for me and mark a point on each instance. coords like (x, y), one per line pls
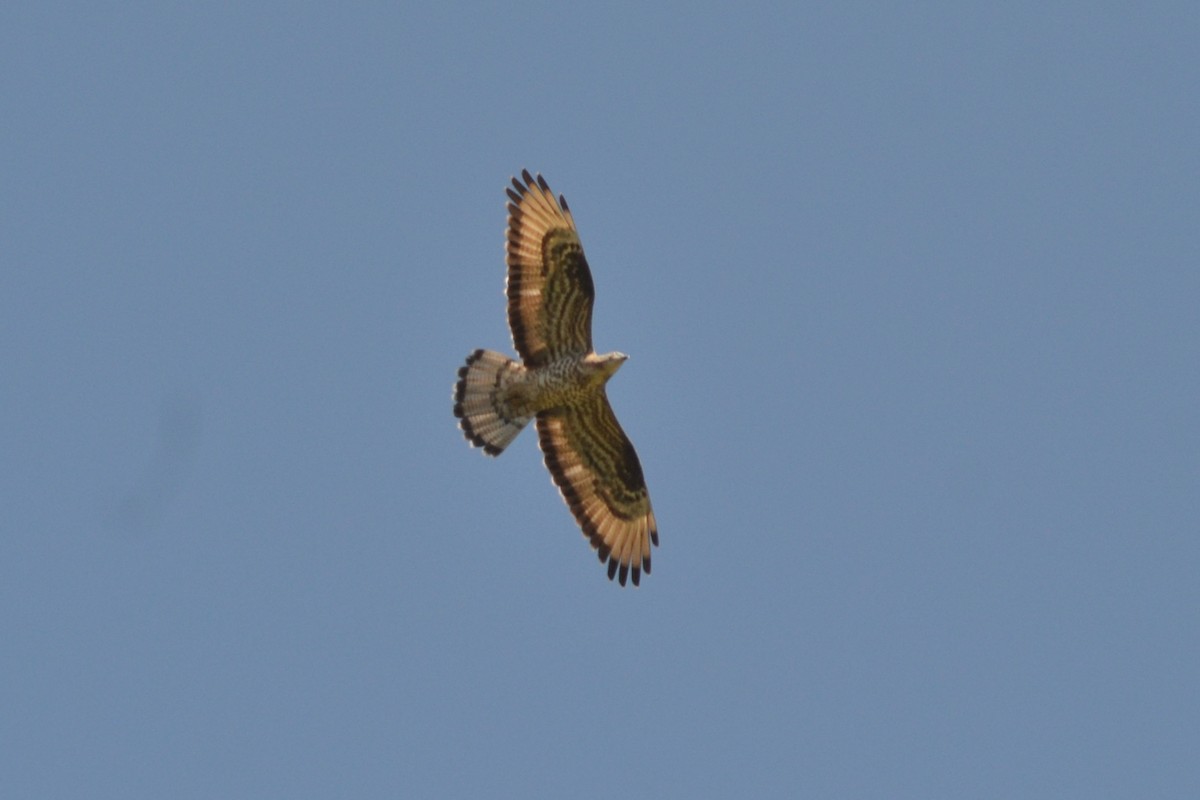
(479, 401)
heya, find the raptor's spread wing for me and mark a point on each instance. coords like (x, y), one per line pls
(595, 467)
(549, 288)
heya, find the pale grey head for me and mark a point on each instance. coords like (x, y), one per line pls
(603, 367)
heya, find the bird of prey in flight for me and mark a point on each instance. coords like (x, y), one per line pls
(560, 383)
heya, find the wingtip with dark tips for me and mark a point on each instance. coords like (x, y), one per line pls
(528, 178)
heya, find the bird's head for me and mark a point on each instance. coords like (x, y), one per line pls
(612, 362)
(605, 366)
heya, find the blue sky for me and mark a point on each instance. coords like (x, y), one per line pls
(910, 294)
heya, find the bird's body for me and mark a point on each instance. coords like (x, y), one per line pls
(560, 383)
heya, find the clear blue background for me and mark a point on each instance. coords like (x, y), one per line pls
(911, 294)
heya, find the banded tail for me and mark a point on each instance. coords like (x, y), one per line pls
(480, 401)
